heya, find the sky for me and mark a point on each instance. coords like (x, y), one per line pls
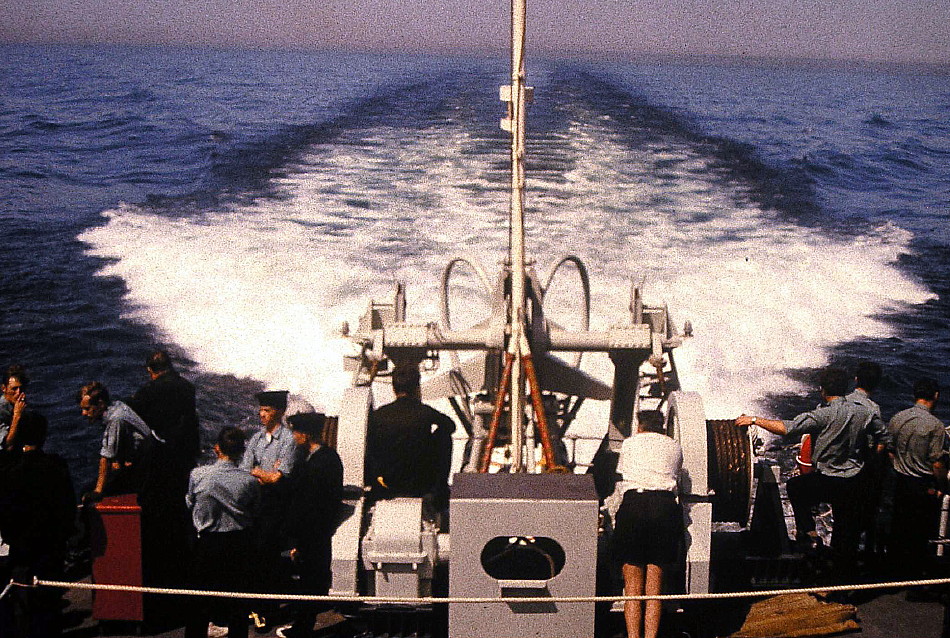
(864, 30)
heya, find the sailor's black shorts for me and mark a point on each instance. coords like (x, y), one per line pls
(649, 528)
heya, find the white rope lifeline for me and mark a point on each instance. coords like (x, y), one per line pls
(6, 590)
(479, 600)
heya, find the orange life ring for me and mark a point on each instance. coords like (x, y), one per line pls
(803, 459)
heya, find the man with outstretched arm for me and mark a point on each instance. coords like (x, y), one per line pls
(844, 431)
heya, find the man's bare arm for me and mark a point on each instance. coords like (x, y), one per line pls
(774, 426)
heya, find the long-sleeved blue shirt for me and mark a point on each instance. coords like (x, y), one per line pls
(222, 498)
(918, 440)
(844, 430)
(274, 451)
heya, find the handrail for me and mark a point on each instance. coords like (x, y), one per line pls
(424, 600)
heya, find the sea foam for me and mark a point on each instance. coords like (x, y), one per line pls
(260, 290)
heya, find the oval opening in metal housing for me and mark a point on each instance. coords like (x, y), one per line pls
(522, 558)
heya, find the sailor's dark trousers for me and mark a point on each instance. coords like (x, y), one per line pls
(847, 498)
(221, 564)
(916, 514)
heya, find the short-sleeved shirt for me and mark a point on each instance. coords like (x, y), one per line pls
(222, 498)
(124, 433)
(270, 452)
(844, 429)
(650, 461)
(917, 441)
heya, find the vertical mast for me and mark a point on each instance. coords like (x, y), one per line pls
(518, 340)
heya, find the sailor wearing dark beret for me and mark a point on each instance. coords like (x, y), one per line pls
(269, 457)
(314, 512)
(273, 398)
(309, 423)
(270, 452)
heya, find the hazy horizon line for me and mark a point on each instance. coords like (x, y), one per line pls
(542, 52)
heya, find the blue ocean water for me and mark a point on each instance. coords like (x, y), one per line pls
(237, 206)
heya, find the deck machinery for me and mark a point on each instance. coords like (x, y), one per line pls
(527, 516)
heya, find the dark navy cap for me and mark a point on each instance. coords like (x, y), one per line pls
(273, 398)
(307, 422)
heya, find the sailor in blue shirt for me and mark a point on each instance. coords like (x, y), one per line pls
(224, 502)
(867, 377)
(270, 453)
(222, 497)
(845, 431)
(126, 442)
(917, 450)
(269, 458)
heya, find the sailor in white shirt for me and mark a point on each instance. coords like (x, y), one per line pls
(648, 529)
